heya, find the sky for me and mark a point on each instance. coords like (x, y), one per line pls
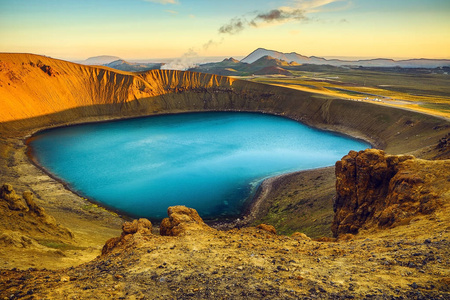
(151, 29)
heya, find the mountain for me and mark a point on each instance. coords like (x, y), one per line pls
(288, 57)
(123, 65)
(379, 62)
(265, 65)
(227, 67)
(269, 61)
(99, 60)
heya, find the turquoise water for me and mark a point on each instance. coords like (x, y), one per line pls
(212, 162)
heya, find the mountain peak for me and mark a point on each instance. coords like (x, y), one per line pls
(100, 60)
(231, 60)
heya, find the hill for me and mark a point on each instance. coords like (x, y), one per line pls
(265, 65)
(227, 67)
(123, 65)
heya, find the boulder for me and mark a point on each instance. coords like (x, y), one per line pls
(181, 220)
(142, 226)
(29, 200)
(132, 232)
(300, 236)
(268, 228)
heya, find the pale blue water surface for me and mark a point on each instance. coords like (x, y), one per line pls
(208, 161)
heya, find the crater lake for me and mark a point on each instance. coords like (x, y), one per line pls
(212, 161)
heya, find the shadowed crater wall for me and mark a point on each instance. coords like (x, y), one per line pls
(32, 98)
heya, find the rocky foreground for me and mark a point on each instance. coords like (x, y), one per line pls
(399, 256)
(409, 262)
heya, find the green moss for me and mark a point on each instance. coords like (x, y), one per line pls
(442, 107)
(59, 245)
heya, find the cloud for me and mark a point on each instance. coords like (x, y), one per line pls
(296, 12)
(238, 24)
(163, 1)
(173, 12)
(280, 15)
(234, 26)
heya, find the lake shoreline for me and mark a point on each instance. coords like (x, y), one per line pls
(38, 126)
(259, 146)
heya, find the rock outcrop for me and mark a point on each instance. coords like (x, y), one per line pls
(181, 220)
(8, 194)
(250, 263)
(132, 232)
(22, 215)
(268, 228)
(378, 190)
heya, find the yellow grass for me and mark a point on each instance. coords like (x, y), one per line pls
(331, 87)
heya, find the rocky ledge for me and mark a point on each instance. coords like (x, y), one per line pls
(378, 190)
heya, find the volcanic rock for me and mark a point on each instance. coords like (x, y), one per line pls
(132, 233)
(142, 226)
(8, 194)
(375, 189)
(268, 228)
(28, 197)
(24, 224)
(181, 220)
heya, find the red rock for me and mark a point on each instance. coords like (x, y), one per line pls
(181, 220)
(268, 228)
(142, 226)
(375, 189)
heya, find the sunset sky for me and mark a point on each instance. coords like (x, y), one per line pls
(146, 29)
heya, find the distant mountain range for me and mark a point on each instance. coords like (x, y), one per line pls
(117, 63)
(270, 62)
(379, 62)
(99, 60)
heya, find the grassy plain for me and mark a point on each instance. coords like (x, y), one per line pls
(423, 90)
(413, 89)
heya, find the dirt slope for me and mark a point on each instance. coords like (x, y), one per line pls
(409, 261)
(32, 85)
